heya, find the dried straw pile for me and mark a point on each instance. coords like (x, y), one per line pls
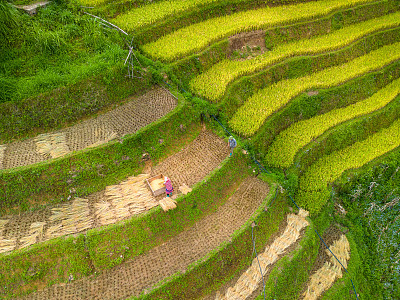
(167, 203)
(5, 244)
(70, 218)
(249, 280)
(100, 141)
(185, 189)
(35, 235)
(326, 276)
(2, 151)
(124, 200)
(52, 143)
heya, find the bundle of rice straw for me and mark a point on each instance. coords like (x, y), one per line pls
(130, 197)
(7, 245)
(54, 144)
(35, 234)
(185, 189)
(70, 218)
(109, 135)
(2, 152)
(249, 280)
(104, 214)
(167, 203)
(323, 279)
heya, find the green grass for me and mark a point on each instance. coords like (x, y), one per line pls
(284, 148)
(213, 83)
(250, 117)
(196, 37)
(312, 185)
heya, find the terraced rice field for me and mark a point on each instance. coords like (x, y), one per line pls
(126, 119)
(135, 276)
(191, 165)
(115, 203)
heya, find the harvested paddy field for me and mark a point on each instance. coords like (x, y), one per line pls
(125, 119)
(140, 274)
(115, 203)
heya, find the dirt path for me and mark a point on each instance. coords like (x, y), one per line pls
(115, 203)
(125, 119)
(143, 272)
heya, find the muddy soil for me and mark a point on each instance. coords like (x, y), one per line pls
(175, 255)
(252, 43)
(125, 119)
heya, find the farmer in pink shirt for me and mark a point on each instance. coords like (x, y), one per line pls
(168, 186)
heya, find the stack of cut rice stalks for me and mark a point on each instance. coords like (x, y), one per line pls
(2, 151)
(104, 214)
(327, 274)
(167, 203)
(54, 144)
(70, 218)
(35, 235)
(249, 280)
(5, 244)
(102, 137)
(130, 197)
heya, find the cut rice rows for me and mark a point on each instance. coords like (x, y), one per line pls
(126, 119)
(117, 202)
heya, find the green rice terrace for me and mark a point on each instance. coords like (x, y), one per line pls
(104, 105)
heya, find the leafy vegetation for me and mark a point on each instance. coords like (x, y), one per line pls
(250, 117)
(287, 143)
(56, 48)
(212, 83)
(195, 37)
(330, 167)
(371, 199)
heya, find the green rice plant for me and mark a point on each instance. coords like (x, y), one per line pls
(213, 83)
(150, 14)
(250, 116)
(312, 185)
(288, 142)
(198, 36)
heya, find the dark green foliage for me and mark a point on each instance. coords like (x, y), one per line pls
(369, 197)
(9, 20)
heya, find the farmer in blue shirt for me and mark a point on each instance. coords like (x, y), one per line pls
(232, 144)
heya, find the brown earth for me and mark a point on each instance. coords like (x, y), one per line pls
(175, 255)
(125, 119)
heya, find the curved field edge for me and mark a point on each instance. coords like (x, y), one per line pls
(82, 255)
(50, 181)
(313, 183)
(188, 68)
(212, 83)
(64, 106)
(193, 38)
(140, 17)
(290, 141)
(321, 101)
(224, 262)
(239, 91)
(250, 117)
